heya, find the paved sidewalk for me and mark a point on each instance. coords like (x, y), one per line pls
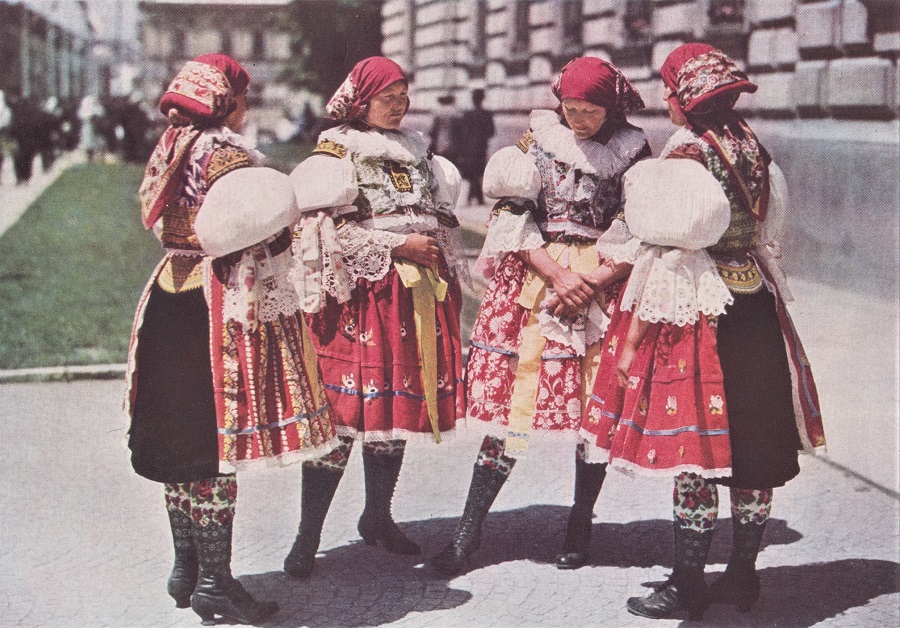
(85, 542)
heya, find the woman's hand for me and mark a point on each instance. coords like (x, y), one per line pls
(571, 288)
(418, 248)
(626, 358)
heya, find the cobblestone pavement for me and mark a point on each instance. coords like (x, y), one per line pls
(85, 542)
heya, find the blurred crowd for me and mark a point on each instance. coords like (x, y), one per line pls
(117, 127)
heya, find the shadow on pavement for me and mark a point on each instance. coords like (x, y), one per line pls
(805, 595)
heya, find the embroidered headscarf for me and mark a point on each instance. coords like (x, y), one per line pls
(600, 83)
(705, 85)
(367, 78)
(201, 95)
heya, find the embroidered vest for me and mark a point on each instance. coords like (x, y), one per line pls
(390, 187)
(573, 201)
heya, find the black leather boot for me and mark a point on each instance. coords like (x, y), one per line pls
(486, 484)
(319, 485)
(183, 578)
(377, 523)
(739, 585)
(217, 592)
(576, 548)
(686, 588)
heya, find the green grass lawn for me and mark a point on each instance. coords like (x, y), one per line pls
(73, 267)
(72, 270)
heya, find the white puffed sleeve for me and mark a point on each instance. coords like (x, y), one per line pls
(676, 208)
(446, 185)
(675, 202)
(322, 182)
(772, 231)
(243, 208)
(512, 175)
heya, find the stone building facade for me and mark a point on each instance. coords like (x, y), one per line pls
(43, 57)
(811, 58)
(172, 32)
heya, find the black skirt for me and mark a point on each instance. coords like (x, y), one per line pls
(764, 438)
(173, 430)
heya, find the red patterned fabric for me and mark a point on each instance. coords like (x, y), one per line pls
(671, 416)
(368, 77)
(204, 91)
(706, 83)
(598, 82)
(493, 359)
(369, 355)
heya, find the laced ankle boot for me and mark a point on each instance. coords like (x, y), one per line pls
(686, 588)
(486, 484)
(377, 523)
(318, 488)
(576, 548)
(217, 592)
(183, 578)
(739, 585)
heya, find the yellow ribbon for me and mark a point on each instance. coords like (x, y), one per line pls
(426, 286)
(579, 258)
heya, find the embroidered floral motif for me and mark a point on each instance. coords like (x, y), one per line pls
(696, 502)
(348, 380)
(399, 177)
(331, 148)
(716, 404)
(671, 405)
(224, 160)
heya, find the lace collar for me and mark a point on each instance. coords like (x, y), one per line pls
(588, 155)
(400, 145)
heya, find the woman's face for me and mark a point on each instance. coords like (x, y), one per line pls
(387, 107)
(675, 115)
(584, 118)
(235, 119)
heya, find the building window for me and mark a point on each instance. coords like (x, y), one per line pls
(638, 20)
(179, 43)
(226, 43)
(259, 45)
(571, 13)
(521, 27)
(479, 31)
(726, 12)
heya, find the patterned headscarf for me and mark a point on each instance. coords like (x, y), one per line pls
(600, 83)
(368, 77)
(202, 94)
(705, 85)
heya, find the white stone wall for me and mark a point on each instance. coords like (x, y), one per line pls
(811, 58)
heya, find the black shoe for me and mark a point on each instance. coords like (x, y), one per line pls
(183, 578)
(228, 599)
(376, 523)
(668, 600)
(486, 484)
(576, 548)
(319, 486)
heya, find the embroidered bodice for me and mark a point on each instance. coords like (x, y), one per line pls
(215, 153)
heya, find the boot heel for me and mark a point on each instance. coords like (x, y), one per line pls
(183, 602)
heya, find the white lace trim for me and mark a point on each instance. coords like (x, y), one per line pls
(451, 243)
(258, 288)
(400, 145)
(392, 434)
(281, 460)
(317, 265)
(366, 253)
(682, 136)
(588, 156)
(223, 135)
(675, 286)
(631, 469)
(587, 329)
(618, 245)
(507, 233)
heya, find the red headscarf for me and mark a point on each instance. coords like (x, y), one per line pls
(598, 82)
(368, 77)
(705, 85)
(202, 94)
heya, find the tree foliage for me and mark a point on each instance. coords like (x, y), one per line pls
(329, 37)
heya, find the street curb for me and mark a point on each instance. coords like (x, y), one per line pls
(62, 373)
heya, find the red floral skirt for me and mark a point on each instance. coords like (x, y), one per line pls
(369, 355)
(671, 416)
(563, 377)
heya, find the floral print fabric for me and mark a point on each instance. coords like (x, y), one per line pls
(205, 501)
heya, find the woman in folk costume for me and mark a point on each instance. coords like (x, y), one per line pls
(532, 361)
(706, 379)
(381, 265)
(221, 370)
